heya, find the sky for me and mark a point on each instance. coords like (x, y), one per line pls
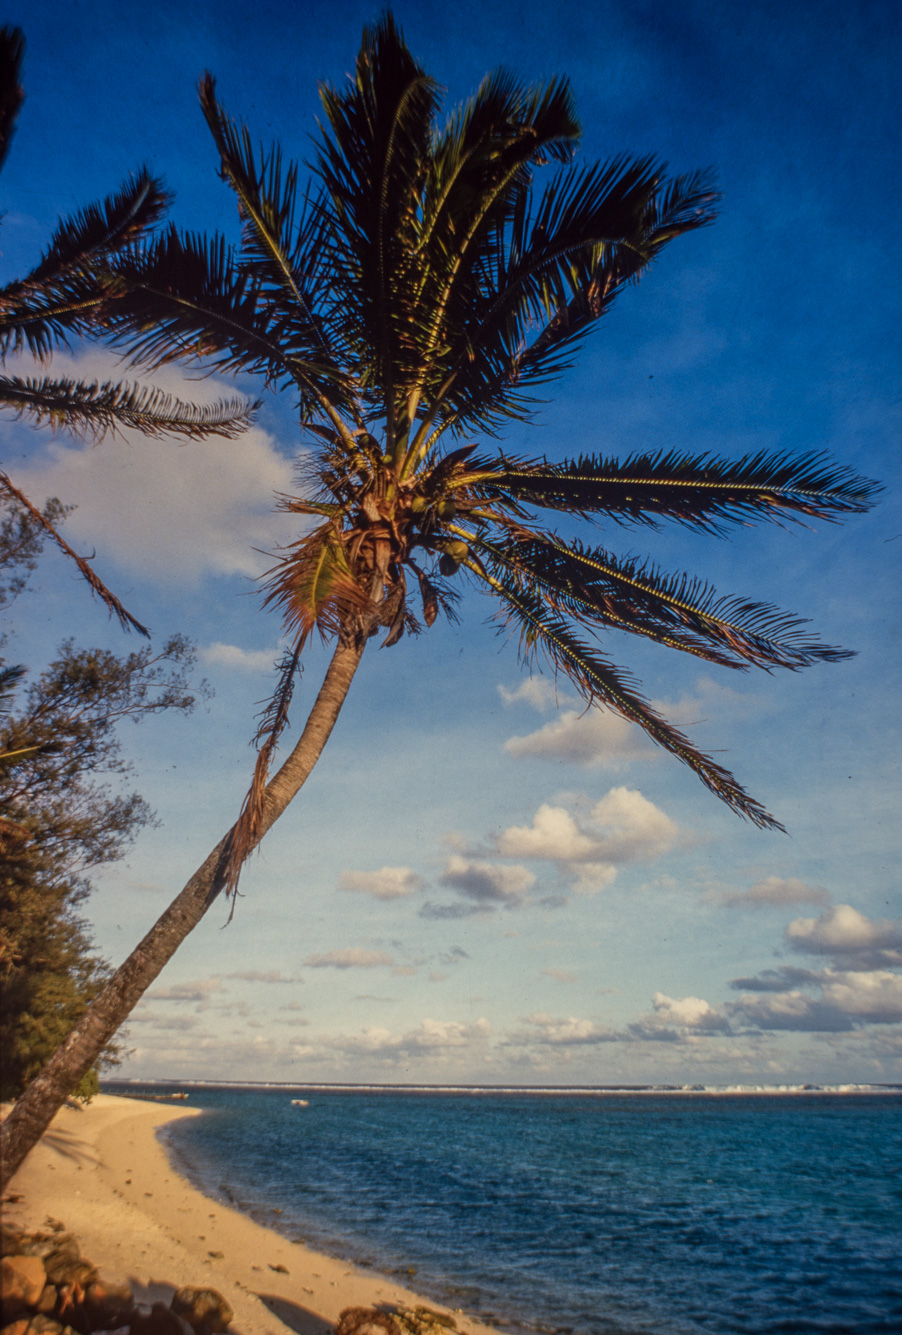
(481, 883)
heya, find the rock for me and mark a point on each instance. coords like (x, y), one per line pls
(280, 1269)
(61, 1253)
(22, 1280)
(15, 1327)
(11, 1240)
(47, 1301)
(108, 1305)
(424, 1321)
(46, 1244)
(202, 1307)
(366, 1321)
(74, 1272)
(160, 1320)
(45, 1325)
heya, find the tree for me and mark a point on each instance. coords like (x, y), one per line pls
(60, 819)
(414, 296)
(67, 293)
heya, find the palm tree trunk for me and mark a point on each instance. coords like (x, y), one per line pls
(34, 1110)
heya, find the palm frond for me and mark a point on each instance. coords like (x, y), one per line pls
(103, 229)
(12, 49)
(680, 611)
(702, 491)
(283, 247)
(88, 407)
(114, 606)
(313, 585)
(273, 721)
(599, 682)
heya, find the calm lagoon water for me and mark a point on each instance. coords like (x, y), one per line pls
(597, 1214)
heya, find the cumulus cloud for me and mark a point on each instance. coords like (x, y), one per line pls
(169, 512)
(260, 976)
(776, 890)
(200, 990)
(849, 938)
(584, 737)
(539, 692)
(387, 883)
(557, 1031)
(242, 660)
(430, 1036)
(692, 1013)
(454, 912)
(837, 1002)
(623, 827)
(490, 882)
(353, 957)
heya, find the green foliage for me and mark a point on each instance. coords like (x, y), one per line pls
(64, 812)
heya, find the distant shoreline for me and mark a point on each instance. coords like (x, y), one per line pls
(133, 1087)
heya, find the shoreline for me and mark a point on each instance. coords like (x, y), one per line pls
(104, 1173)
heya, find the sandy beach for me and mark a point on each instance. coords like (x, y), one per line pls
(101, 1171)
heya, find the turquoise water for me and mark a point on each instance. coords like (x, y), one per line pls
(600, 1215)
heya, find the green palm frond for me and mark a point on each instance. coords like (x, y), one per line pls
(89, 407)
(702, 491)
(599, 682)
(103, 229)
(594, 585)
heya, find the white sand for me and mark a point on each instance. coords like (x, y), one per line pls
(101, 1171)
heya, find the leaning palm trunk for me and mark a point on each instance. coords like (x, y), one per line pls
(34, 1110)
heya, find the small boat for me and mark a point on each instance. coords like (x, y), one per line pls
(300, 1103)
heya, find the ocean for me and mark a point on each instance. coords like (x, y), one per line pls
(584, 1213)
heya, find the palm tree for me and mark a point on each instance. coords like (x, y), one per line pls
(414, 297)
(66, 293)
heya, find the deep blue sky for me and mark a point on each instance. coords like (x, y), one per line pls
(777, 328)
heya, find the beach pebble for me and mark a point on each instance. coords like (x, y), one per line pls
(22, 1280)
(366, 1321)
(202, 1307)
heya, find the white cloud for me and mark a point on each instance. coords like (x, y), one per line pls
(430, 1036)
(243, 660)
(201, 990)
(776, 890)
(169, 512)
(848, 937)
(387, 883)
(553, 835)
(557, 1031)
(353, 957)
(484, 881)
(539, 692)
(561, 975)
(623, 827)
(259, 976)
(690, 1013)
(584, 737)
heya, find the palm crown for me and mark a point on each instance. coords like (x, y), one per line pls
(414, 297)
